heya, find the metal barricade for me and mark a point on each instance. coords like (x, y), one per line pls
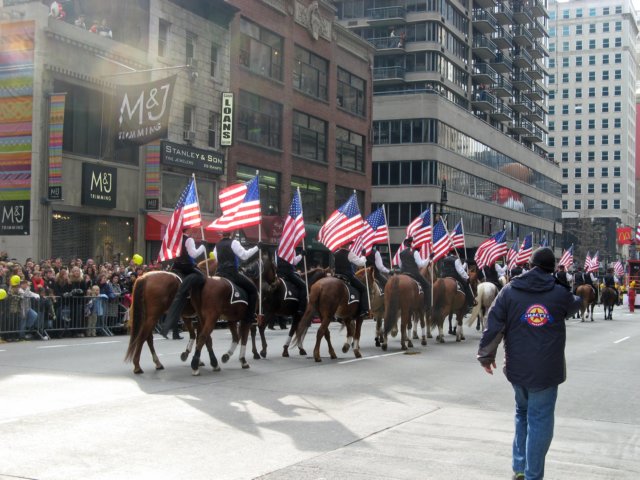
(21, 318)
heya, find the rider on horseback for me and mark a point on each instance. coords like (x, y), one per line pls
(374, 260)
(583, 278)
(563, 277)
(491, 273)
(452, 267)
(227, 252)
(287, 271)
(610, 280)
(410, 264)
(343, 260)
(192, 278)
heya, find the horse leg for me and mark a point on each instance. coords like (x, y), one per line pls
(263, 340)
(404, 326)
(319, 335)
(244, 334)
(459, 332)
(451, 332)
(212, 356)
(440, 337)
(378, 338)
(233, 327)
(349, 326)
(254, 349)
(414, 334)
(192, 338)
(327, 337)
(204, 332)
(356, 340)
(592, 307)
(423, 326)
(154, 355)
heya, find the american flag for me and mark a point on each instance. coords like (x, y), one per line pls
(457, 235)
(594, 264)
(543, 242)
(587, 262)
(567, 258)
(491, 249)
(240, 205)
(396, 258)
(618, 268)
(186, 214)
(343, 225)
(524, 255)
(293, 231)
(441, 241)
(512, 254)
(638, 233)
(375, 231)
(420, 229)
(425, 250)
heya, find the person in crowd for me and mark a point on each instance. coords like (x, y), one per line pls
(515, 271)
(410, 264)
(344, 261)
(192, 278)
(28, 317)
(529, 315)
(56, 10)
(81, 21)
(104, 30)
(380, 271)
(90, 314)
(287, 271)
(37, 281)
(78, 290)
(452, 267)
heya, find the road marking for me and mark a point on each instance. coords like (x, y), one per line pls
(622, 339)
(79, 344)
(370, 358)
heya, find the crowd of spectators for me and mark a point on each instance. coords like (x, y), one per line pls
(53, 292)
(64, 11)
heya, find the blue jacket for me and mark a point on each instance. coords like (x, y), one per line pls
(529, 313)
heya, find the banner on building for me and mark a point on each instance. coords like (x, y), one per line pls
(99, 185)
(142, 112)
(14, 217)
(194, 159)
(624, 235)
(226, 122)
(56, 125)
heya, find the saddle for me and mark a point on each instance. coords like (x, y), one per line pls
(354, 294)
(290, 291)
(238, 295)
(417, 282)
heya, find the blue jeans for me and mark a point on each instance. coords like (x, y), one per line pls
(535, 408)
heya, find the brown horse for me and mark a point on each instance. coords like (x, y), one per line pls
(447, 300)
(329, 298)
(609, 299)
(403, 298)
(588, 296)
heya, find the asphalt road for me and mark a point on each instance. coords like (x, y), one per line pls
(72, 409)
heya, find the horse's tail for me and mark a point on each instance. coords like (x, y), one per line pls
(136, 314)
(392, 304)
(305, 321)
(475, 311)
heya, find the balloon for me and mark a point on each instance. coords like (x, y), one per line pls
(137, 259)
(15, 281)
(518, 171)
(3, 294)
(212, 256)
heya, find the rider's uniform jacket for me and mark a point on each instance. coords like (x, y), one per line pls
(515, 271)
(409, 264)
(227, 261)
(342, 263)
(529, 315)
(609, 281)
(185, 262)
(579, 279)
(448, 267)
(490, 275)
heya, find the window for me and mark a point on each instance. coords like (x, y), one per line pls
(592, 44)
(552, 79)
(592, 28)
(552, 141)
(592, 123)
(616, 139)
(618, 26)
(605, 139)
(579, 92)
(605, 43)
(578, 61)
(213, 60)
(579, 29)
(269, 187)
(173, 185)
(578, 172)
(309, 137)
(605, 27)
(565, 109)
(552, 125)
(565, 31)
(604, 156)
(565, 125)
(605, 75)
(565, 204)
(578, 13)
(565, 173)
(213, 129)
(577, 204)
(565, 14)
(604, 172)
(314, 198)
(592, 76)
(578, 125)
(618, 42)
(578, 77)
(349, 150)
(578, 44)
(188, 118)
(604, 204)
(591, 187)
(565, 93)
(163, 35)
(605, 123)
(591, 172)
(591, 156)
(616, 155)
(260, 50)
(552, 93)
(616, 204)
(310, 73)
(605, 11)
(617, 90)
(592, 59)
(351, 92)
(552, 109)
(618, 9)
(592, 12)
(617, 106)
(577, 188)
(605, 91)
(564, 189)
(617, 58)
(605, 107)
(259, 120)
(592, 92)
(617, 123)
(578, 140)
(616, 171)
(578, 109)
(565, 141)
(616, 188)
(190, 52)
(552, 63)
(552, 47)
(565, 61)
(565, 46)
(617, 74)
(605, 59)
(591, 140)
(565, 156)
(590, 204)
(577, 156)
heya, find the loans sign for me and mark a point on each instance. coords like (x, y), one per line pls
(226, 123)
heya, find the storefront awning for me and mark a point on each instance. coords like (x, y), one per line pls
(156, 223)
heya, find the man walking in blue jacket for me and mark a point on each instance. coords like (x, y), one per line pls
(529, 314)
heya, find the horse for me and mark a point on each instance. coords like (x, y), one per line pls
(486, 294)
(447, 300)
(152, 295)
(402, 298)
(274, 303)
(376, 299)
(609, 299)
(588, 296)
(329, 297)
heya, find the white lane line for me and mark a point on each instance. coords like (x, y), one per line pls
(370, 358)
(79, 344)
(622, 339)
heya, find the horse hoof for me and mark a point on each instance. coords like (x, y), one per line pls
(415, 336)
(263, 353)
(441, 340)
(377, 342)
(245, 365)
(256, 356)
(216, 368)
(403, 347)
(429, 335)
(184, 356)
(303, 351)
(462, 337)
(195, 373)
(317, 359)
(423, 342)
(138, 371)
(225, 358)
(478, 328)
(458, 339)
(384, 347)
(285, 352)
(357, 353)
(159, 367)
(410, 344)
(345, 348)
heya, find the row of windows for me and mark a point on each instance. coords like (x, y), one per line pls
(591, 156)
(566, 29)
(260, 122)
(591, 172)
(591, 124)
(427, 61)
(591, 188)
(566, 47)
(164, 28)
(591, 76)
(604, 204)
(591, 140)
(591, 92)
(579, 12)
(591, 60)
(429, 130)
(591, 107)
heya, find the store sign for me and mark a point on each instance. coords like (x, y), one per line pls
(191, 158)
(55, 192)
(14, 217)
(152, 204)
(99, 185)
(226, 123)
(624, 235)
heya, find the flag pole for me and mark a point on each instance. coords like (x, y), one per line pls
(259, 259)
(206, 259)
(464, 240)
(384, 214)
(304, 258)
(366, 277)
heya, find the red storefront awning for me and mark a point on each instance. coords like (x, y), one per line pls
(157, 223)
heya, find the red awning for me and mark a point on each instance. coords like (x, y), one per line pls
(271, 226)
(156, 224)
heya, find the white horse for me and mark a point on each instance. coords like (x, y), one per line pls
(487, 292)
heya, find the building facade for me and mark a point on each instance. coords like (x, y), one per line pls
(592, 118)
(459, 114)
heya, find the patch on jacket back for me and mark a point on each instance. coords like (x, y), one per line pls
(537, 315)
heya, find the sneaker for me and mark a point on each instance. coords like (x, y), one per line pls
(518, 476)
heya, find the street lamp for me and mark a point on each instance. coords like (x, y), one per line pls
(443, 196)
